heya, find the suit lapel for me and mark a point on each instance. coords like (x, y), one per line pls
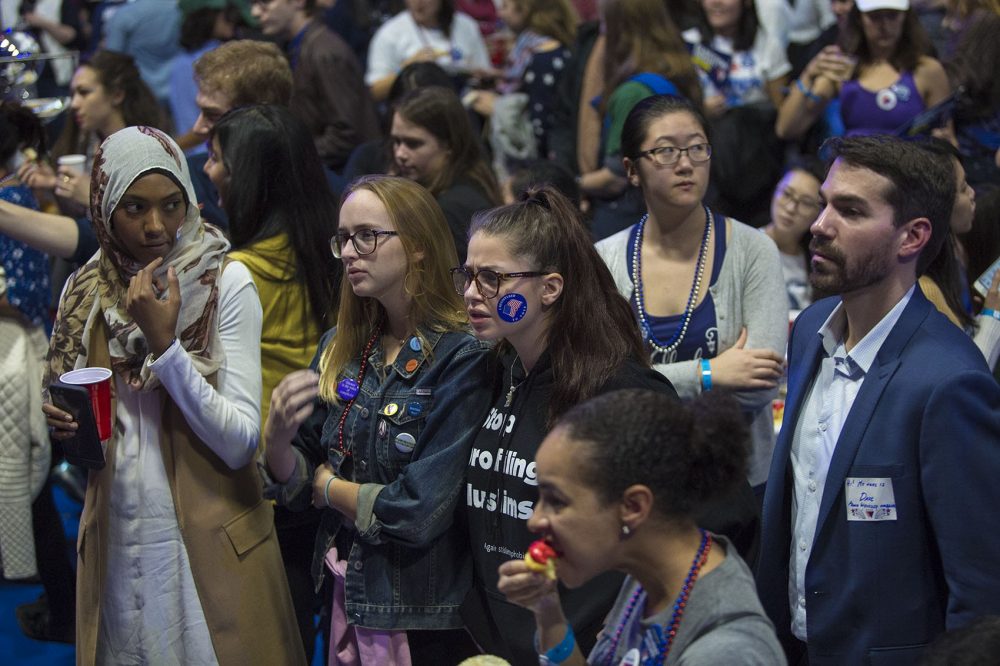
(802, 370)
(798, 388)
(885, 365)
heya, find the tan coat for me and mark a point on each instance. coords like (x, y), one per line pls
(228, 530)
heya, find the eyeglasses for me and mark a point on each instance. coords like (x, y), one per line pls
(788, 195)
(487, 281)
(671, 155)
(365, 241)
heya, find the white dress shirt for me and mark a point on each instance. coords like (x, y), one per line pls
(824, 412)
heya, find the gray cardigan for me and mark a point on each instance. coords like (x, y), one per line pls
(749, 292)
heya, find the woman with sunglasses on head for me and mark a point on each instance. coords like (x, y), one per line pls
(377, 432)
(534, 283)
(728, 328)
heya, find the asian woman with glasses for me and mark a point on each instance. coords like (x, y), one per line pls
(707, 290)
(534, 283)
(377, 432)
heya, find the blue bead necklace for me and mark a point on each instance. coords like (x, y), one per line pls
(699, 272)
(666, 633)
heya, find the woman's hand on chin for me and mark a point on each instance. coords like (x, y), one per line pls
(154, 311)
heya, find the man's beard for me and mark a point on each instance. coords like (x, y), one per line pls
(846, 275)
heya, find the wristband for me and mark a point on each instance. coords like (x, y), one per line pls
(706, 375)
(326, 492)
(810, 95)
(562, 652)
(990, 312)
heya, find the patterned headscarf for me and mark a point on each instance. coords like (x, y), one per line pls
(97, 290)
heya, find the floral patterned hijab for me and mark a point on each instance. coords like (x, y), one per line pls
(97, 290)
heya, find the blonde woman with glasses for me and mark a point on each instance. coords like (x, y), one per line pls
(377, 433)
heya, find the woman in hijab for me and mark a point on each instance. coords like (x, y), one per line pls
(178, 557)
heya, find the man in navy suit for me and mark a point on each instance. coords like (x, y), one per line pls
(881, 526)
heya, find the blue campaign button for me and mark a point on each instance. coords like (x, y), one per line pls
(414, 409)
(415, 344)
(347, 389)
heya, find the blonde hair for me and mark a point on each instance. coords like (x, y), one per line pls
(430, 253)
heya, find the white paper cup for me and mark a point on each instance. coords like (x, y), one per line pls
(74, 161)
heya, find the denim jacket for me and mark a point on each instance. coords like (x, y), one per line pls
(410, 431)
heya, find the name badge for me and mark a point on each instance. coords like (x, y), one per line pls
(869, 499)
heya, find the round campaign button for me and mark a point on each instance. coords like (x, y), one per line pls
(390, 409)
(411, 365)
(405, 442)
(415, 344)
(512, 307)
(347, 389)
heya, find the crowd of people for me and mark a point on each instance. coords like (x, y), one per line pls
(694, 296)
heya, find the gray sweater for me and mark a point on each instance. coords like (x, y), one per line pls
(749, 292)
(723, 622)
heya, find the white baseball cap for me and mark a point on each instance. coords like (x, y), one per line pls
(875, 5)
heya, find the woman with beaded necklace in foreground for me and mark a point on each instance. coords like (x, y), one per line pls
(728, 328)
(607, 499)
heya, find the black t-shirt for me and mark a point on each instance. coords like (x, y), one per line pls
(500, 493)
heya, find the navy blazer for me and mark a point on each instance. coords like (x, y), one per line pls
(928, 417)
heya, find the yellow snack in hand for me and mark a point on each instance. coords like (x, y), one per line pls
(541, 558)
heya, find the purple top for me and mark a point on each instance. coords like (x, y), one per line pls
(882, 112)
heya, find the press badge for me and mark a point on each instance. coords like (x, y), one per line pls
(869, 499)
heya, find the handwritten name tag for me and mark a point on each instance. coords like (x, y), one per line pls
(869, 499)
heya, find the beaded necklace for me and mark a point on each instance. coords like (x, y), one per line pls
(647, 329)
(666, 634)
(361, 380)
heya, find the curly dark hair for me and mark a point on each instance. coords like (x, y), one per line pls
(687, 454)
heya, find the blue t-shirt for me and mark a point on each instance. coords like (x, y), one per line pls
(27, 269)
(702, 337)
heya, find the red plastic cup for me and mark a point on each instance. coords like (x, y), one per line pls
(97, 381)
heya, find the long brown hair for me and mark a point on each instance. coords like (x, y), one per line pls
(913, 42)
(641, 37)
(430, 254)
(552, 18)
(592, 330)
(117, 73)
(439, 111)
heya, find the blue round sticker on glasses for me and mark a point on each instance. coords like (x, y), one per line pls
(512, 307)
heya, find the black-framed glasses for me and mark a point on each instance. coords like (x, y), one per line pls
(670, 155)
(487, 281)
(788, 195)
(365, 241)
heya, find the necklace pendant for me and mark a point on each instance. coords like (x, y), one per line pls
(510, 396)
